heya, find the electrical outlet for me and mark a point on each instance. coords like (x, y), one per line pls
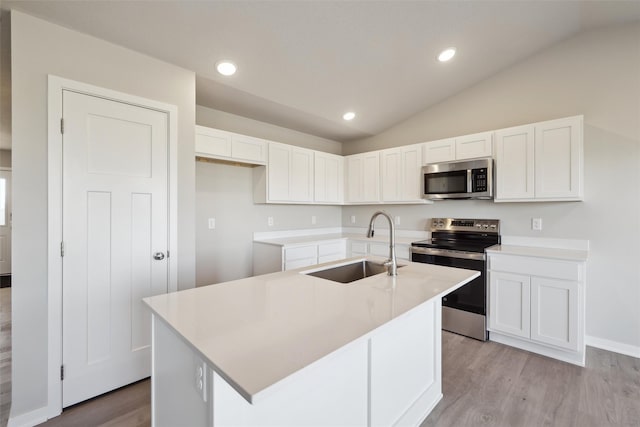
(270, 221)
(201, 379)
(353, 219)
(313, 219)
(536, 224)
(212, 223)
(397, 220)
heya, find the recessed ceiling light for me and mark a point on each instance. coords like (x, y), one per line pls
(447, 54)
(226, 68)
(349, 115)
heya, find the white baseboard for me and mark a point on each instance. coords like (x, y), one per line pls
(29, 419)
(614, 346)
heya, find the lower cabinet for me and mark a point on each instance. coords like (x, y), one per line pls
(538, 305)
(358, 248)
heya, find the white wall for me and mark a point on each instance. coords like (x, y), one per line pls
(225, 192)
(596, 74)
(40, 48)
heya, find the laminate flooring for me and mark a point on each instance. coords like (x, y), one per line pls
(484, 384)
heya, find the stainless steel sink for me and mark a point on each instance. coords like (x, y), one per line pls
(350, 272)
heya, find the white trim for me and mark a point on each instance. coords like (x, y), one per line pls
(55, 87)
(574, 357)
(29, 419)
(4, 168)
(614, 346)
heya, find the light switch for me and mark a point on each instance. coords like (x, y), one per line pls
(314, 219)
(212, 223)
(353, 219)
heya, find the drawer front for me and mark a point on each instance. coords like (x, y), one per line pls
(379, 249)
(332, 248)
(332, 257)
(541, 267)
(301, 252)
(359, 248)
(299, 263)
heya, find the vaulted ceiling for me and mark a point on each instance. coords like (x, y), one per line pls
(302, 64)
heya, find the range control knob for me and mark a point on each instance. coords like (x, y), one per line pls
(493, 226)
(485, 226)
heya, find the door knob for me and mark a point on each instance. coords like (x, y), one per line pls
(158, 256)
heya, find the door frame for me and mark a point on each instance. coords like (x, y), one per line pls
(56, 85)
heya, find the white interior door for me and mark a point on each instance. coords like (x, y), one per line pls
(5, 222)
(115, 218)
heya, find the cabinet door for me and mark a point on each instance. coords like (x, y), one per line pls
(509, 303)
(391, 175)
(213, 142)
(411, 172)
(371, 177)
(328, 178)
(515, 163)
(354, 184)
(248, 148)
(301, 176)
(558, 159)
(554, 312)
(473, 146)
(278, 171)
(442, 150)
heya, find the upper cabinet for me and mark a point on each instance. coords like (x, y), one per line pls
(328, 178)
(458, 148)
(540, 162)
(400, 174)
(287, 177)
(363, 178)
(219, 144)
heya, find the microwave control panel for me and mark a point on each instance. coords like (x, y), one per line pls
(479, 180)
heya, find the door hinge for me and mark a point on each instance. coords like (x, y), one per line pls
(61, 372)
(62, 126)
(62, 249)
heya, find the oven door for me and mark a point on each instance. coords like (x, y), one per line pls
(470, 297)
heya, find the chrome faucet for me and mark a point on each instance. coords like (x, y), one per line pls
(391, 263)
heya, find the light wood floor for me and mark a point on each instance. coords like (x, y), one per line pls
(484, 384)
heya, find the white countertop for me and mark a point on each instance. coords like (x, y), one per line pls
(257, 331)
(539, 252)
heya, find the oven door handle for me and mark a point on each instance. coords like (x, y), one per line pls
(448, 253)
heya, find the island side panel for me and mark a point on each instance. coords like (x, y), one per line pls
(331, 392)
(180, 381)
(405, 365)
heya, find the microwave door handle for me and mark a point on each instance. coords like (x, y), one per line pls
(469, 181)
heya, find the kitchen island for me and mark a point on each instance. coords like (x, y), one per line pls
(289, 348)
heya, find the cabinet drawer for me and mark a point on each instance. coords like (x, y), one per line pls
(301, 252)
(379, 249)
(541, 267)
(332, 248)
(359, 248)
(299, 263)
(331, 257)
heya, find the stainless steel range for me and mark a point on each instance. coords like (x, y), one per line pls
(461, 243)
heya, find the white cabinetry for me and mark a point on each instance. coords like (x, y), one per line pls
(540, 162)
(363, 178)
(377, 248)
(537, 304)
(219, 144)
(400, 177)
(458, 148)
(269, 258)
(328, 178)
(289, 176)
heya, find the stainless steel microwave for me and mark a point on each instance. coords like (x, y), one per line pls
(460, 179)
